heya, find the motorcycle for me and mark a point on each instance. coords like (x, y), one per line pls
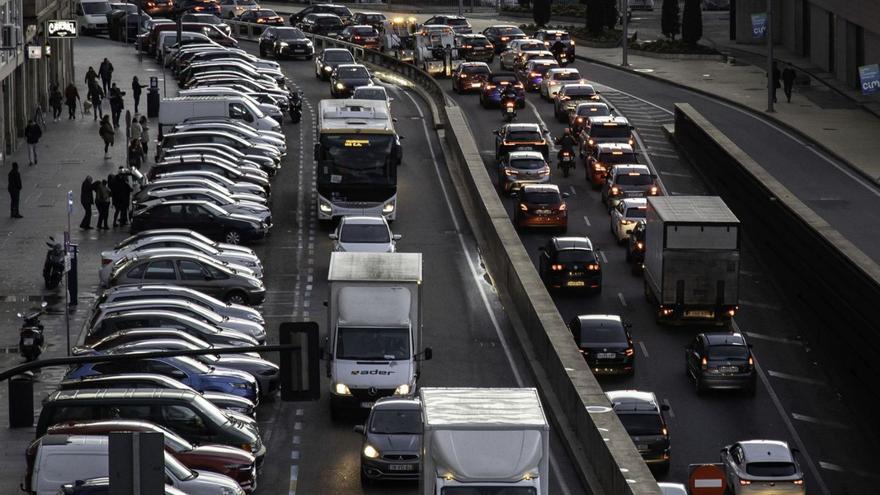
(566, 162)
(53, 267)
(30, 337)
(295, 109)
(508, 109)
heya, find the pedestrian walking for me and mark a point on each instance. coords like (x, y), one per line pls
(776, 77)
(135, 153)
(145, 136)
(86, 199)
(91, 77)
(13, 184)
(135, 130)
(106, 73)
(136, 88)
(788, 77)
(102, 203)
(107, 134)
(55, 101)
(71, 96)
(120, 192)
(32, 134)
(96, 97)
(117, 104)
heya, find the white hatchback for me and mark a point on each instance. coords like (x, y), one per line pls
(364, 234)
(626, 215)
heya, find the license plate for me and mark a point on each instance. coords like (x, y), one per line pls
(575, 283)
(525, 148)
(299, 50)
(606, 355)
(367, 405)
(543, 212)
(475, 85)
(509, 109)
(332, 34)
(729, 369)
(28, 341)
(642, 448)
(701, 313)
(400, 467)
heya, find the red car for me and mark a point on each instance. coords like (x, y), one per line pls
(541, 205)
(366, 36)
(469, 76)
(233, 462)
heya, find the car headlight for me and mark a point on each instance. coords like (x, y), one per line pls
(309, 42)
(370, 451)
(402, 390)
(341, 389)
(339, 85)
(325, 207)
(283, 43)
(327, 68)
(241, 385)
(388, 208)
(233, 491)
(255, 283)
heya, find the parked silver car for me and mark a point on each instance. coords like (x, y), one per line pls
(364, 234)
(147, 291)
(198, 182)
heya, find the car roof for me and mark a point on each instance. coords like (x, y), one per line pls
(564, 243)
(398, 403)
(543, 61)
(610, 147)
(322, 14)
(569, 87)
(725, 338)
(633, 401)
(120, 393)
(562, 70)
(635, 202)
(523, 127)
(541, 188)
(630, 168)
(364, 220)
(616, 119)
(344, 66)
(766, 451)
(536, 155)
(364, 26)
(474, 64)
(614, 318)
(337, 50)
(169, 382)
(502, 26)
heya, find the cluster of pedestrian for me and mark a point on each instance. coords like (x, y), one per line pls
(115, 190)
(787, 77)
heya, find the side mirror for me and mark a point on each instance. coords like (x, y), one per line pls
(565, 195)
(359, 429)
(333, 237)
(724, 450)
(398, 237)
(627, 325)
(664, 407)
(394, 119)
(495, 132)
(325, 304)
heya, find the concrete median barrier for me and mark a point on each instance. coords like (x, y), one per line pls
(834, 284)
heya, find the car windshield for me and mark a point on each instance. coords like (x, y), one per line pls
(604, 332)
(575, 256)
(641, 424)
(94, 8)
(365, 31)
(374, 18)
(338, 56)
(594, 111)
(290, 34)
(532, 46)
(384, 344)
(527, 163)
(457, 22)
(542, 68)
(476, 69)
(636, 212)
(177, 470)
(328, 21)
(476, 41)
(264, 13)
(575, 91)
(771, 469)
(370, 94)
(396, 422)
(353, 72)
(618, 157)
(634, 180)
(566, 76)
(610, 131)
(374, 233)
(557, 37)
(728, 352)
(510, 31)
(542, 197)
(531, 136)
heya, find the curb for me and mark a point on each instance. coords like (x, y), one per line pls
(677, 56)
(788, 127)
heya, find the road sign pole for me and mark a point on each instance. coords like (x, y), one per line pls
(67, 272)
(771, 81)
(625, 34)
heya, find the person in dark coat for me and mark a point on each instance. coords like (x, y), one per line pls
(14, 186)
(106, 73)
(117, 104)
(136, 88)
(788, 77)
(32, 134)
(86, 199)
(102, 203)
(71, 95)
(96, 96)
(55, 101)
(107, 134)
(135, 153)
(776, 77)
(120, 191)
(91, 77)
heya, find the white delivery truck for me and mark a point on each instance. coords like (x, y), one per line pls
(484, 441)
(173, 111)
(375, 327)
(692, 258)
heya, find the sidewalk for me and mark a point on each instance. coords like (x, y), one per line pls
(68, 151)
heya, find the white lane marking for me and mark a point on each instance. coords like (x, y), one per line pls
(622, 300)
(771, 338)
(774, 307)
(823, 488)
(795, 378)
(644, 349)
(294, 455)
(604, 259)
(543, 125)
(834, 467)
(587, 221)
(478, 279)
(670, 412)
(672, 174)
(819, 421)
(296, 439)
(573, 192)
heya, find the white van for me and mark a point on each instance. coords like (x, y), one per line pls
(173, 111)
(64, 459)
(269, 109)
(91, 15)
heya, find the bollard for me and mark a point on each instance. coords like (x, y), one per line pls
(21, 400)
(153, 98)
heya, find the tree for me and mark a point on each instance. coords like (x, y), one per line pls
(541, 12)
(669, 23)
(692, 22)
(595, 16)
(609, 13)
(525, 3)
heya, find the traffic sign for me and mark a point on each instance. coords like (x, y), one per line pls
(707, 479)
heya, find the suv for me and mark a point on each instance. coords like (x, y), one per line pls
(520, 137)
(392, 440)
(721, 360)
(365, 35)
(515, 48)
(568, 97)
(602, 157)
(322, 8)
(611, 129)
(570, 263)
(519, 168)
(322, 24)
(583, 111)
(642, 416)
(458, 23)
(628, 181)
(503, 34)
(469, 76)
(475, 48)
(541, 205)
(159, 319)
(605, 343)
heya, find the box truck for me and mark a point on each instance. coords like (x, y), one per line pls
(374, 313)
(692, 258)
(484, 441)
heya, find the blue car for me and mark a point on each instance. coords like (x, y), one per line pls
(490, 91)
(184, 369)
(533, 72)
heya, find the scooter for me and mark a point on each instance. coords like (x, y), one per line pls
(53, 267)
(30, 337)
(566, 162)
(508, 109)
(296, 108)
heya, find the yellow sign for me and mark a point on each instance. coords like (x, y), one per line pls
(356, 143)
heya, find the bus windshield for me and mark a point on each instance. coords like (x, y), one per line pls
(358, 159)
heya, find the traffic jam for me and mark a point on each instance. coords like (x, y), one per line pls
(187, 277)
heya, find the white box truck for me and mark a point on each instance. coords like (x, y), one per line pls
(484, 441)
(692, 258)
(374, 313)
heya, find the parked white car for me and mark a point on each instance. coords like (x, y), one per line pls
(364, 234)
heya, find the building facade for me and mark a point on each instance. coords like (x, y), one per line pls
(29, 64)
(837, 36)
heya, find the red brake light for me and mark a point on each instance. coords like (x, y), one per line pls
(563, 207)
(629, 352)
(557, 267)
(744, 482)
(751, 361)
(654, 190)
(615, 191)
(593, 266)
(106, 261)
(704, 363)
(798, 482)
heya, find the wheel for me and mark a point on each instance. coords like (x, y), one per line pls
(237, 297)
(232, 237)
(366, 481)
(699, 387)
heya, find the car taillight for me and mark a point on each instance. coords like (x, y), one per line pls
(654, 190)
(593, 267)
(631, 142)
(523, 207)
(615, 191)
(490, 86)
(106, 261)
(744, 482)
(665, 432)
(704, 363)
(504, 38)
(629, 352)
(463, 76)
(509, 104)
(534, 74)
(751, 361)
(798, 482)
(563, 207)
(580, 119)
(557, 267)
(640, 245)
(357, 37)
(591, 142)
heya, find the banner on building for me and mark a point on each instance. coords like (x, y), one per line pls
(35, 52)
(869, 76)
(759, 26)
(61, 28)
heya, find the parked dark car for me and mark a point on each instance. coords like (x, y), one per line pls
(341, 11)
(201, 216)
(207, 19)
(721, 360)
(139, 334)
(329, 59)
(284, 42)
(262, 16)
(458, 23)
(364, 35)
(570, 263)
(156, 318)
(628, 181)
(469, 76)
(322, 24)
(551, 36)
(392, 440)
(490, 91)
(584, 111)
(503, 34)
(605, 343)
(346, 77)
(642, 417)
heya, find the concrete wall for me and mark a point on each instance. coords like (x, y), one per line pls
(872, 48)
(819, 37)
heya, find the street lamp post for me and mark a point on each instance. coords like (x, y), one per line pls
(625, 62)
(771, 80)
